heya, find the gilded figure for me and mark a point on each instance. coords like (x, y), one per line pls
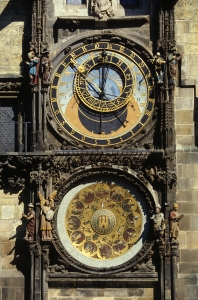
(47, 214)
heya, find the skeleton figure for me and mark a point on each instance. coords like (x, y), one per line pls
(46, 215)
(158, 61)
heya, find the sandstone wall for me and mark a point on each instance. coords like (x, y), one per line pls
(12, 255)
(186, 141)
(14, 31)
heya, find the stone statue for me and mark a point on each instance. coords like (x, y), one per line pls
(174, 222)
(101, 8)
(46, 215)
(33, 64)
(158, 61)
(158, 224)
(173, 58)
(46, 67)
(30, 217)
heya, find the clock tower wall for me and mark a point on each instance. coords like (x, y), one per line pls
(112, 100)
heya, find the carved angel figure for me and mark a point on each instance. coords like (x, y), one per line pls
(46, 215)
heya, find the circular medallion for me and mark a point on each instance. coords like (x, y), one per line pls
(97, 219)
(103, 226)
(103, 221)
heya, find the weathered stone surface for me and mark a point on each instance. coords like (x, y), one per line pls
(182, 26)
(115, 292)
(189, 255)
(185, 208)
(187, 157)
(7, 248)
(8, 293)
(181, 5)
(185, 223)
(187, 279)
(63, 292)
(194, 222)
(184, 117)
(191, 240)
(184, 195)
(184, 93)
(183, 15)
(7, 262)
(192, 172)
(167, 294)
(7, 212)
(6, 226)
(184, 103)
(182, 239)
(188, 292)
(11, 279)
(193, 26)
(185, 140)
(135, 292)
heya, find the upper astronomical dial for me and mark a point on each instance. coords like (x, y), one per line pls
(104, 83)
(102, 94)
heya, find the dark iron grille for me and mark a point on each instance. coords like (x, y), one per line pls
(7, 128)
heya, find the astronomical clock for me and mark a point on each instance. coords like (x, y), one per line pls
(102, 93)
(97, 135)
(102, 96)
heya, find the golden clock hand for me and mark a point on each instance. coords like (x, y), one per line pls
(91, 81)
(81, 69)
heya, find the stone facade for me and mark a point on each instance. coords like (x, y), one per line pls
(15, 33)
(186, 142)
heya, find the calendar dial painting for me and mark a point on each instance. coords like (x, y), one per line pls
(102, 225)
(103, 221)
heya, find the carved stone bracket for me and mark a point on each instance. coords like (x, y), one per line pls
(39, 176)
(11, 86)
(146, 264)
(20, 171)
(45, 255)
(161, 249)
(35, 248)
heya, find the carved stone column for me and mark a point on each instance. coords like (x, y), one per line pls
(32, 269)
(38, 44)
(37, 279)
(161, 251)
(173, 253)
(45, 265)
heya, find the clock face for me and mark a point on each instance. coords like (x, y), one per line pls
(102, 94)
